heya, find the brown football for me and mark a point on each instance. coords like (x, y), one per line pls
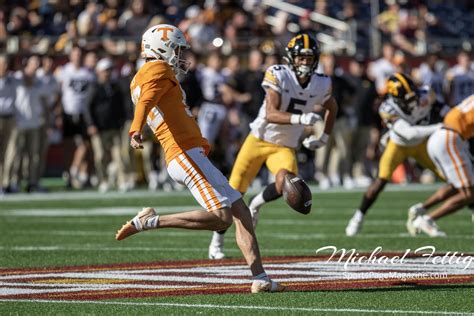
(297, 194)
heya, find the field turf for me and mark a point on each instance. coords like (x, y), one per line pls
(71, 229)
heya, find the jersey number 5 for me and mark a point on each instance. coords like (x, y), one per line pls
(296, 106)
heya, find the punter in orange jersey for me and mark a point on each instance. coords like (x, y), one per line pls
(448, 147)
(160, 102)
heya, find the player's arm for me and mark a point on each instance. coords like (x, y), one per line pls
(151, 93)
(330, 105)
(413, 132)
(274, 115)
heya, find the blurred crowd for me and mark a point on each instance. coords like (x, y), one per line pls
(65, 105)
(115, 26)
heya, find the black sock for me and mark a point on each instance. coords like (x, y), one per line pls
(222, 232)
(270, 193)
(365, 204)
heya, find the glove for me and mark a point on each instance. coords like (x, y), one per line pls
(305, 119)
(312, 142)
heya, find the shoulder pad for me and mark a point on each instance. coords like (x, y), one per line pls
(155, 70)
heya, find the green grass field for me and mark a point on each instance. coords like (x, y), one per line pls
(70, 229)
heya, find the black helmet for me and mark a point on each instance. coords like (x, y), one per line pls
(403, 91)
(302, 45)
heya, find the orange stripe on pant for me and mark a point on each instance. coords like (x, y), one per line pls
(207, 184)
(195, 181)
(453, 159)
(458, 155)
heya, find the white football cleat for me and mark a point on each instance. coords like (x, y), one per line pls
(254, 212)
(216, 247)
(427, 225)
(413, 212)
(260, 286)
(355, 224)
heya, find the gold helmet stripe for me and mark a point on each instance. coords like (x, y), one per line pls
(404, 82)
(306, 40)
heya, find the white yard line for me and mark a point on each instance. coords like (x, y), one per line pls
(246, 307)
(94, 195)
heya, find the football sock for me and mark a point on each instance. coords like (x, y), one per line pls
(365, 204)
(268, 194)
(152, 222)
(221, 232)
(262, 277)
(217, 239)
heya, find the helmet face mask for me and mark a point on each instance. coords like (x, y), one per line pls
(302, 46)
(166, 42)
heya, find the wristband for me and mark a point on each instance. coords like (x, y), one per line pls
(295, 119)
(324, 138)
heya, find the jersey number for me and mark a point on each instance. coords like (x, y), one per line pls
(296, 106)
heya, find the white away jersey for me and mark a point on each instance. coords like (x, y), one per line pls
(390, 112)
(294, 99)
(75, 87)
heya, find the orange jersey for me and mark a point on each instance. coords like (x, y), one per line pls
(461, 118)
(159, 100)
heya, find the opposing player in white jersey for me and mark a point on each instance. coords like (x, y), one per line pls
(405, 111)
(292, 92)
(448, 147)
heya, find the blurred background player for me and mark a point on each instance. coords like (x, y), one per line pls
(292, 93)
(105, 116)
(8, 86)
(461, 79)
(448, 147)
(405, 111)
(159, 101)
(76, 81)
(31, 113)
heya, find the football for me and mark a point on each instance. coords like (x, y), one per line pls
(297, 194)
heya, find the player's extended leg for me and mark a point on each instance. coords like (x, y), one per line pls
(247, 164)
(247, 242)
(197, 220)
(427, 223)
(391, 158)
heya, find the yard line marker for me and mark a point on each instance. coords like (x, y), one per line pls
(94, 195)
(248, 307)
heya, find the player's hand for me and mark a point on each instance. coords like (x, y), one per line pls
(309, 118)
(136, 140)
(312, 142)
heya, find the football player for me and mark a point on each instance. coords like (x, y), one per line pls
(448, 147)
(405, 111)
(160, 102)
(292, 93)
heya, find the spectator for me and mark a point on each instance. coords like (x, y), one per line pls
(135, 19)
(30, 112)
(384, 67)
(341, 138)
(461, 79)
(105, 119)
(363, 103)
(52, 89)
(432, 73)
(8, 87)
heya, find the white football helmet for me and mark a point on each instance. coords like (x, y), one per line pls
(166, 42)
